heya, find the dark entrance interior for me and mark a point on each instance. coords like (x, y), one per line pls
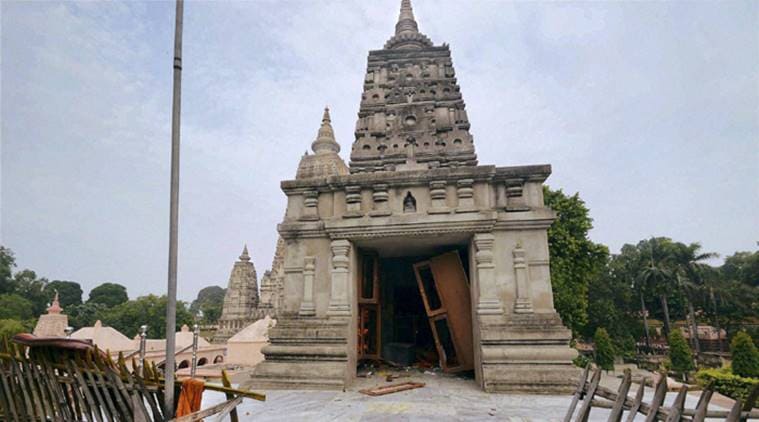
(403, 319)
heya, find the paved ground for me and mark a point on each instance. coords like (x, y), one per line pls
(444, 398)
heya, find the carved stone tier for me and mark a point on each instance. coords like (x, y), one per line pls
(528, 353)
(304, 353)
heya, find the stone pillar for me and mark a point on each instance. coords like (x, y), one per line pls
(465, 193)
(310, 206)
(338, 301)
(488, 303)
(307, 307)
(438, 195)
(523, 304)
(380, 197)
(353, 202)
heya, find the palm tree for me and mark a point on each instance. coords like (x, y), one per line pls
(658, 275)
(689, 269)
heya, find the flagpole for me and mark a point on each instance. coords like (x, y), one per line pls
(171, 305)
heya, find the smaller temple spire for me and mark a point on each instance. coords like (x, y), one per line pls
(407, 35)
(245, 257)
(325, 139)
(55, 307)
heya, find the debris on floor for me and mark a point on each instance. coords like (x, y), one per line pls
(393, 388)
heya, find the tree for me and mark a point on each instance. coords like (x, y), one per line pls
(680, 355)
(10, 327)
(151, 310)
(108, 295)
(745, 356)
(742, 267)
(15, 307)
(7, 263)
(210, 302)
(69, 292)
(604, 350)
(575, 259)
(85, 315)
(32, 288)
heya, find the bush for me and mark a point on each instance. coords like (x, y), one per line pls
(680, 355)
(582, 361)
(10, 327)
(604, 350)
(745, 356)
(727, 383)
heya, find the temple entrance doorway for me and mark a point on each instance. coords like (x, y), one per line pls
(414, 305)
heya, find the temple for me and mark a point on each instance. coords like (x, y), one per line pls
(415, 252)
(240, 307)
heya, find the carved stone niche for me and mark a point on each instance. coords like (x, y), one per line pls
(465, 193)
(438, 194)
(380, 198)
(353, 202)
(310, 206)
(515, 200)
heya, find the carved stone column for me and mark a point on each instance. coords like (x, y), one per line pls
(353, 202)
(465, 193)
(338, 301)
(523, 304)
(307, 307)
(438, 195)
(310, 206)
(488, 303)
(380, 197)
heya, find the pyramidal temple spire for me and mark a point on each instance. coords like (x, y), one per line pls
(407, 33)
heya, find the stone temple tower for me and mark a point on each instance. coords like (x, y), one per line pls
(241, 300)
(415, 248)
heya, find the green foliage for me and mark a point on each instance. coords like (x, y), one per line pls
(7, 263)
(745, 356)
(742, 267)
(604, 350)
(31, 288)
(575, 259)
(581, 361)
(16, 307)
(151, 310)
(85, 315)
(11, 327)
(108, 295)
(210, 302)
(624, 346)
(727, 383)
(680, 355)
(69, 292)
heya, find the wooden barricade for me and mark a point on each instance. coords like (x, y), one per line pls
(61, 380)
(591, 394)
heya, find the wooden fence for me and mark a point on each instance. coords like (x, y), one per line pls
(55, 379)
(592, 395)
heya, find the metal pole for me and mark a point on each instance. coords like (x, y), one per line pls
(143, 337)
(195, 334)
(171, 305)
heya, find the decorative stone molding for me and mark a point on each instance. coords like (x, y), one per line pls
(307, 308)
(488, 303)
(515, 200)
(310, 206)
(465, 194)
(523, 303)
(380, 198)
(353, 202)
(438, 194)
(338, 301)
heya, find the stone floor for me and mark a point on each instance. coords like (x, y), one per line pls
(444, 398)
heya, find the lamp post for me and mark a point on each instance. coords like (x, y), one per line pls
(143, 337)
(171, 305)
(195, 333)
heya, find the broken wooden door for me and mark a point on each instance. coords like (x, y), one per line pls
(369, 308)
(445, 292)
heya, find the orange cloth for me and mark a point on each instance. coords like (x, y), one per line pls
(190, 397)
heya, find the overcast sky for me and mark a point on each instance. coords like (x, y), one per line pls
(650, 110)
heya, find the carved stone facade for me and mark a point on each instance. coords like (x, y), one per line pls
(241, 300)
(414, 189)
